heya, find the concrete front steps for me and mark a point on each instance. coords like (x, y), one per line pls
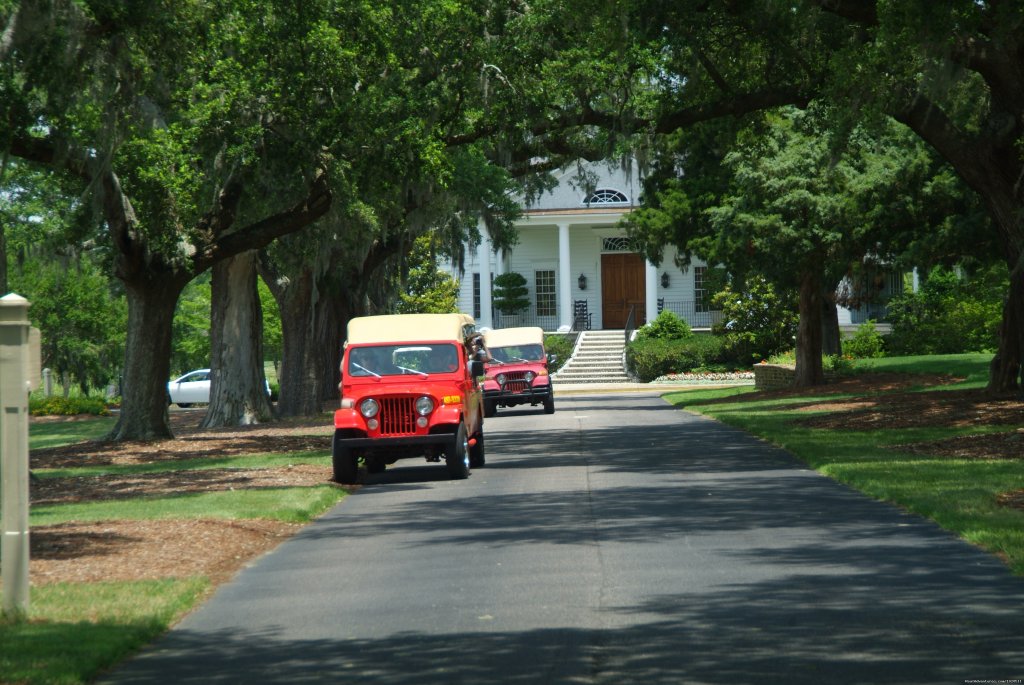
(596, 359)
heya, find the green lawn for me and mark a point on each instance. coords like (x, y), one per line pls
(959, 494)
(74, 631)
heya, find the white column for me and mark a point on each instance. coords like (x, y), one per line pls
(651, 287)
(16, 379)
(564, 279)
(484, 257)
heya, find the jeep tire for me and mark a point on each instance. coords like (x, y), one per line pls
(457, 456)
(346, 465)
(476, 452)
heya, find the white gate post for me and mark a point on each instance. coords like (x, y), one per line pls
(18, 374)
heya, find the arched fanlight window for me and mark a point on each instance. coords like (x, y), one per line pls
(606, 196)
(616, 244)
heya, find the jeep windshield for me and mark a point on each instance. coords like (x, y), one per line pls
(513, 354)
(403, 360)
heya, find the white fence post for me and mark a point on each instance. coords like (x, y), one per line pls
(19, 373)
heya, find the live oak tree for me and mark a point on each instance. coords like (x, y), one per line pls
(950, 71)
(143, 104)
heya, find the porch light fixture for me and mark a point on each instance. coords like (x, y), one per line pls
(664, 280)
(582, 281)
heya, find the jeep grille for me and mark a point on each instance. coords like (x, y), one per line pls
(397, 415)
(515, 381)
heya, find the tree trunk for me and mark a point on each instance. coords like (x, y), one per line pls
(238, 395)
(298, 383)
(151, 304)
(831, 338)
(809, 371)
(1005, 368)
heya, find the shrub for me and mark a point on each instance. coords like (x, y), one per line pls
(950, 314)
(511, 295)
(655, 357)
(58, 405)
(758, 321)
(866, 343)
(560, 345)
(667, 326)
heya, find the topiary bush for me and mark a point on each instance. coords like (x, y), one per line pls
(511, 296)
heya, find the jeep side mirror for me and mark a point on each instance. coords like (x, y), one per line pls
(476, 368)
(552, 358)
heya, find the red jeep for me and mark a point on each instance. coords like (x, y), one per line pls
(517, 372)
(409, 389)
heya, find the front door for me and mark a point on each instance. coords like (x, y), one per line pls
(623, 285)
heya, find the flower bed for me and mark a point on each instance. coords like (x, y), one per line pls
(707, 378)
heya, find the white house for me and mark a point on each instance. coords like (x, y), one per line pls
(579, 266)
(581, 271)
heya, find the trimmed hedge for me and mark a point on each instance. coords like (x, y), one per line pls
(58, 405)
(655, 357)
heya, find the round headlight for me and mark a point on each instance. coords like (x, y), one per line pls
(424, 405)
(500, 378)
(530, 376)
(369, 408)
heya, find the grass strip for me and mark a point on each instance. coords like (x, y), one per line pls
(958, 494)
(249, 461)
(45, 434)
(291, 505)
(75, 631)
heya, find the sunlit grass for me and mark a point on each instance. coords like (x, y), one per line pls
(43, 434)
(74, 631)
(291, 505)
(249, 461)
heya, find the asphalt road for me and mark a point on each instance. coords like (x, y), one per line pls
(616, 541)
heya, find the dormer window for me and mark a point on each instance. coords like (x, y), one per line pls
(606, 196)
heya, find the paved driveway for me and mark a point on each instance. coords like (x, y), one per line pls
(616, 541)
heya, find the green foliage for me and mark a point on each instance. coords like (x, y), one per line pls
(511, 296)
(273, 335)
(654, 357)
(429, 290)
(190, 342)
(666, 326)
(57, 405)
(950, 314)
(758, 320)
(866, 342)
(78, 631)
(561, 346)
(82, 319)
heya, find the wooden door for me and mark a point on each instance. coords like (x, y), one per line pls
(623, 285)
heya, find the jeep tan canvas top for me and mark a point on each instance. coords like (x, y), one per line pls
(524, 335)
(391, 328)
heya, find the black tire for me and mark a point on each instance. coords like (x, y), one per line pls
(457, 456)
(476, 452)
(549, 404)
(490, 408)
(184, 405)
(346, 464)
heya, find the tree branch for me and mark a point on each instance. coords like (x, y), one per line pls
(257, 235)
